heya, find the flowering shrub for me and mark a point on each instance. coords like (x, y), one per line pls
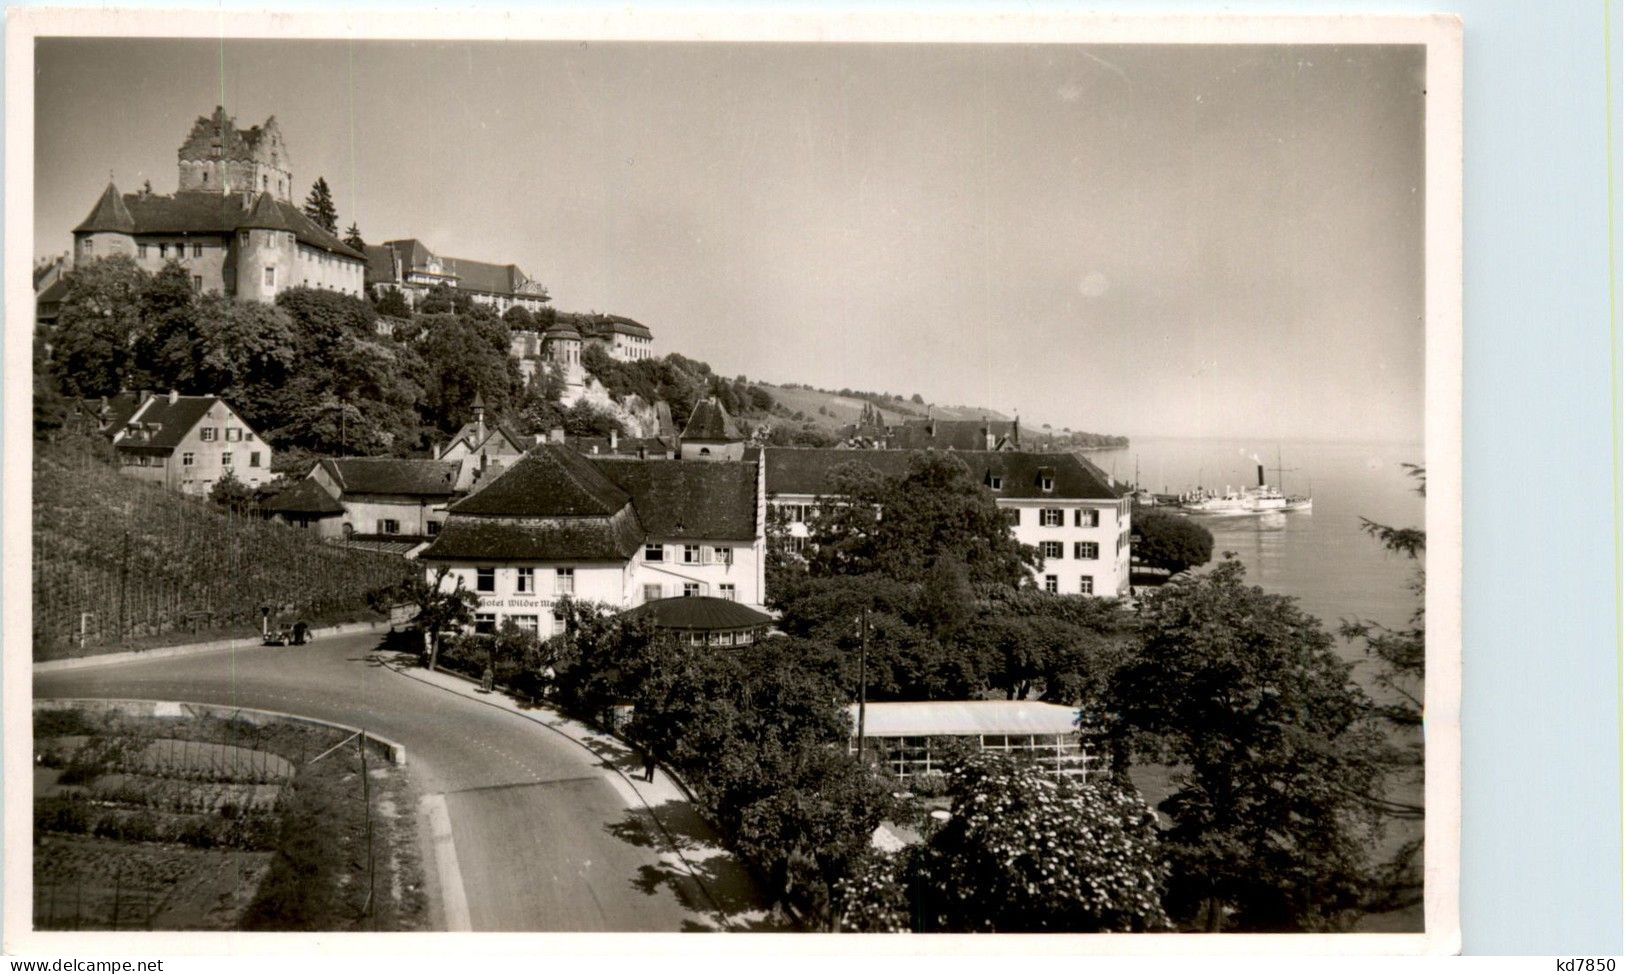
(1021, 853)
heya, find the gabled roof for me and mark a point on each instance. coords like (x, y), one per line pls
(689, 499)
(700, 613)
(602, 326)
(109, 214)
(305, 497)
(195, 211)
(709, 421)
(792, 470)
(159, 425)
(549, 481)
(393, 475)
(613, 538)
(952, 434)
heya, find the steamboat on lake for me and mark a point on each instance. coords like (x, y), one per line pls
(1263, 499)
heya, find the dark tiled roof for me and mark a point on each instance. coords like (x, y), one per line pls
(391, 475)
(110, 213)
(381, 265)
(561, 328)
(174, 420)
(697, 499)
(806, 471)
(471, 538)
(710, 421)
(949, 434)
(54, 292)
(700, 613)
(602, 326)
(217, 213)
(471, 275)
(305, 497)
(120, 408)
(654, 447)
(549, 481)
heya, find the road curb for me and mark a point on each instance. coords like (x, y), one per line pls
(195, 649)
(630, 781)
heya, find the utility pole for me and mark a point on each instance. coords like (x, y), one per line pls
(863, 677)
(123, 581)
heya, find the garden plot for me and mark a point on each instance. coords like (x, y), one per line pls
(201, 822)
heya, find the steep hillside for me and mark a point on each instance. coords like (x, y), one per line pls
(831, 410)
(134, 562)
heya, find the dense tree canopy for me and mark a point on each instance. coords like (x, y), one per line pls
(1243, 689)
(1171, 542)
(95, 333)
(898, 526)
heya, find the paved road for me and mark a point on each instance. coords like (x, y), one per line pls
(547, 837)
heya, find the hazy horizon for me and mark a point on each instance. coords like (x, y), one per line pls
(1202, 241)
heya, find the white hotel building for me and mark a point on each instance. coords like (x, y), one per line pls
(1059, 503)
(619, 531)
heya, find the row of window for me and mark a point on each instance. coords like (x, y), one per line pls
(690, 554)
(1086, 584)
(1046, 482)
(188, 459)
(726, 590)
(1055, 517)
(1083, 550)
(389, 525)
(165, 249)
(210, 434)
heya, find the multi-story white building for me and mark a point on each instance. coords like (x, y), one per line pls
(614, 530)
(186, 443)
(410, 267)
(1057, 502)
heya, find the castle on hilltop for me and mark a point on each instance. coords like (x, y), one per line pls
(231, 223)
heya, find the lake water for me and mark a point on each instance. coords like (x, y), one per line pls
(1322, 557)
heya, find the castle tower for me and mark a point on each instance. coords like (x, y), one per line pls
(218, 157)
(266, 252)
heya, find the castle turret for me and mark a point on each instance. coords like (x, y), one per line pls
(107, 230)
(265, 251)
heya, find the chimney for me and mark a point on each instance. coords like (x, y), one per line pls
(175, 397)
(143, 397)
(1261, 475)
(614, 440)
(1015, 431)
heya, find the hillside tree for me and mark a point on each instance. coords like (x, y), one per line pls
(319, 206)
(95, 332)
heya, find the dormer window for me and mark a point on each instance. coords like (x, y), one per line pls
(1046, 480)
(995, 482)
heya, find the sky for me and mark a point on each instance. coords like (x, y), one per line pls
(1143, 240)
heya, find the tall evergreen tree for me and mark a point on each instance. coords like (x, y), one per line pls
(319, 206)
(352, 237)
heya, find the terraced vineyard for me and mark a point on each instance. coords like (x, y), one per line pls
(117, 560)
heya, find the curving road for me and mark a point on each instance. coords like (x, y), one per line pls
(547, 835)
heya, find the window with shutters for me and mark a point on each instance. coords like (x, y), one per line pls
(1086, 518)
(1051, 549)
(1051, 517)
(197, 250)
(388, 525)
(1085, 549)
(691, 554)
(1013, 515)
(225, 459)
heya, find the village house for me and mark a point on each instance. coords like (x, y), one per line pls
(389, 501)
(1059, 503)
(410, 267)
(231, 224)
(616, 531)
(185, 443)
(711, 434)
